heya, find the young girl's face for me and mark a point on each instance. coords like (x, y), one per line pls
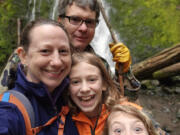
(120, 123)
(86, 86)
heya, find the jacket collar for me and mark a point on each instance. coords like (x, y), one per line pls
(38, 89)
(82, 118)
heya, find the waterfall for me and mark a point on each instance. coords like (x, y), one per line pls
(39, 7)
(33, 15)
(54, 10)
(29, 9)
(102, 38)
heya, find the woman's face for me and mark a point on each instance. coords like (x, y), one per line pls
(86, 86)
(120, 123)
(48, 58)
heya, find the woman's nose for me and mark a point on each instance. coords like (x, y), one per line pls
(56, 60)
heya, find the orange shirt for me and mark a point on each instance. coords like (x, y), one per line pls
(84, 124)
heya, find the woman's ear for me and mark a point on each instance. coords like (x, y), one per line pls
(104, 88)
(59, 20)
(22, 54)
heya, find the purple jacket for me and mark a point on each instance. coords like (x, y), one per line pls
(45, 106)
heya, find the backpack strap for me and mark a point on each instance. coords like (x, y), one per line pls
(23, 105)
(27, 104)
(61, 117)
(26, 109)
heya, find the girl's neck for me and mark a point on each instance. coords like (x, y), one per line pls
(95, 114)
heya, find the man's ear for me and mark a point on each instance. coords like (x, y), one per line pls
(22, 54)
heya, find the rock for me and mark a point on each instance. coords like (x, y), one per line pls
(177, 90)
(178, 114)
(165, 109)
(149, 84)
(155, 82)
(168, 90)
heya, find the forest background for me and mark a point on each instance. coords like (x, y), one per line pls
(145, 26)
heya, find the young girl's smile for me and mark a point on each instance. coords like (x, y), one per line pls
(86, 87)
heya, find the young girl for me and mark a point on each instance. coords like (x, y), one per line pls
(91, 93)
(128, 119)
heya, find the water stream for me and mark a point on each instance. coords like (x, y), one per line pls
(33, 15)
(102, 38)
(55, 7)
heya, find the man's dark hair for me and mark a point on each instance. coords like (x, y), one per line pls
(92, 4)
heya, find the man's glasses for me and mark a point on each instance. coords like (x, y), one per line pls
(91, 23)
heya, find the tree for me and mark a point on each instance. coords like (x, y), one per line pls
(10, 10)
(146, 26)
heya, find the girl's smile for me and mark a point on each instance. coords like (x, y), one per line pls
(86, 87)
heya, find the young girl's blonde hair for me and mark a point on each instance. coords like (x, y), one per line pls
(132, 110)
(111, 94)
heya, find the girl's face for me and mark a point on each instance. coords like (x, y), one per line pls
(120, 123)
(86, 86)
(48, 58)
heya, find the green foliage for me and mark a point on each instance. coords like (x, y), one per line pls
(146, 26)
(10, 11)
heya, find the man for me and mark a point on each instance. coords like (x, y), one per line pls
(80, 18)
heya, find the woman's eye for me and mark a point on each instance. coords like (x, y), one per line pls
(44, 51)
(63, 51)
(117, 131)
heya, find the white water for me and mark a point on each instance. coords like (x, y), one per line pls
(39, 6)
(102, 39)
(33, 15)
(54, 11)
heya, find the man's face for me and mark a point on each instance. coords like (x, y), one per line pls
(80, 35)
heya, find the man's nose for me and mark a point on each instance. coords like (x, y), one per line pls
(83, 26)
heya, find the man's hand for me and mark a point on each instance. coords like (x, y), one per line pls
(121, 55)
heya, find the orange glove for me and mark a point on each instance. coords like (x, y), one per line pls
(121, 55)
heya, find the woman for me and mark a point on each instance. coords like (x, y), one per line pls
(45, 55)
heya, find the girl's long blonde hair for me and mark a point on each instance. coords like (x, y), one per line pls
(133, 111)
